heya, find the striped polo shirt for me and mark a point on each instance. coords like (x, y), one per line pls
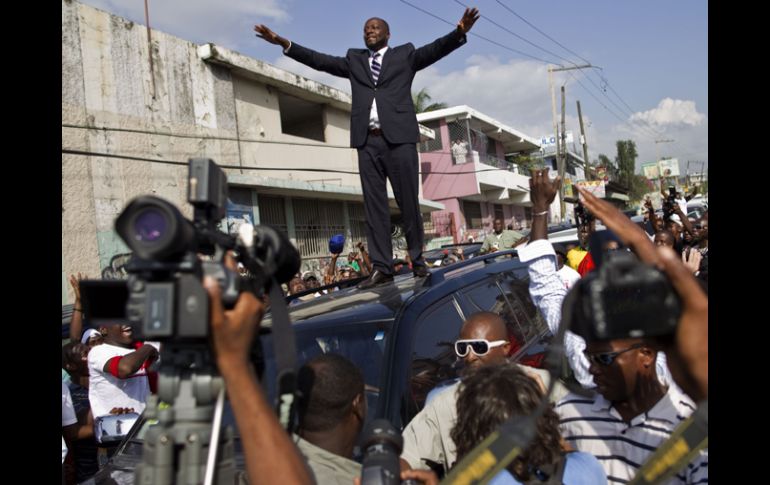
(592, 425)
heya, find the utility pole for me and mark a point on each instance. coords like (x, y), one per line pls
(560, 148)
(562, 158)
(583, 141)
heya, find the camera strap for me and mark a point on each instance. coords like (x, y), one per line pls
(689, 438)
(285, 351)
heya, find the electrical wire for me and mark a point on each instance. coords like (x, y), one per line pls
(69, 151)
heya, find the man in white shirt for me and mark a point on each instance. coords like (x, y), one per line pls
(118, 372)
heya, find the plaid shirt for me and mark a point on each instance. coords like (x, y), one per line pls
(548, 292)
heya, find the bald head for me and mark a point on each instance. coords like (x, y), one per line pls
(486, 326)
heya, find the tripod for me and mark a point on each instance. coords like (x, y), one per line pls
(175, 449)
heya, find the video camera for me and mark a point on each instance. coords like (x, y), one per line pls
(622, 298)
(164, 298)
(669, 203)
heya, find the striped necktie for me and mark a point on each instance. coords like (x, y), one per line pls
(375, 67)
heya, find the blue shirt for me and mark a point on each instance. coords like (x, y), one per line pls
(581, 469)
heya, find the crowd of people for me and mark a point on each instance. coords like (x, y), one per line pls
(636, 390)
(640, 388)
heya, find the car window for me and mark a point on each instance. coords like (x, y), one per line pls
(527, 325)
(363, 344)
(433, 355)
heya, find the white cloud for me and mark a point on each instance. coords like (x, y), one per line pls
(671, 112)
(225, 23)
(515, 93)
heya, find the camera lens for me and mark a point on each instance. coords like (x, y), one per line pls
(150, 225)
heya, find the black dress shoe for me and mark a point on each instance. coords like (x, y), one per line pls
(420, 271)
(374, 279)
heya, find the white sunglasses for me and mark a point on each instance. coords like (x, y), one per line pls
(479, 346)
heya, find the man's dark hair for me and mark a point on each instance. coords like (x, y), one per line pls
(491, 395)
(327, 384)
(387, 27)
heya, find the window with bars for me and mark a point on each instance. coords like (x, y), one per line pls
(472, 213)
(315, 222)
(432, 145)
(272, 211)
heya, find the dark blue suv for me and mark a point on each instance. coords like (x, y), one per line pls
(400, 335)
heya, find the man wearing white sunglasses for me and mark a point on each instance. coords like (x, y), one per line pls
(483, 341)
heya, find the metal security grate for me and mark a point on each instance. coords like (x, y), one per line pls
(315, 222)
(272, 211)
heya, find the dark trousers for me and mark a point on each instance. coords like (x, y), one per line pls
(379, 161)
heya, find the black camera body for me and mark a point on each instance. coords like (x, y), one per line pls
(382, 445)
(623, 298)
(669, 203)
(164, 298)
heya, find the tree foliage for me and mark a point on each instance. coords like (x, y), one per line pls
(626, 161)
(422, 102)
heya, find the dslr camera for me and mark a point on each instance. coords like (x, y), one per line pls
(669, 203)
(622, 298)
(164, 298)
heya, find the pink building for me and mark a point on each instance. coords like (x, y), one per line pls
(465, 169)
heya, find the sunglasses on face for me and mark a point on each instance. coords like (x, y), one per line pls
(478, 346)
(607, 358)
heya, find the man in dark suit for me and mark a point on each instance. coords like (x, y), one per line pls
(383, 128)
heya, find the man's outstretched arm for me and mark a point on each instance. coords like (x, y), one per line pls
(428, 54)
(336, 66)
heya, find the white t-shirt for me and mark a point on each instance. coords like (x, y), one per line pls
(68, 416)
(682, 205)
(107, 391)
(568, 276)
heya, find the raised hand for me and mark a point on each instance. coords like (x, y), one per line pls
(542, 189)
(470, 17)
(264, 33)
(75, 284)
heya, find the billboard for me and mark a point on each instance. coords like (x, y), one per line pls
(548, 141)
(650, 170)
(596, 187)
(669, 168)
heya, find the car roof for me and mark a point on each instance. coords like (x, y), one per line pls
(383, 303)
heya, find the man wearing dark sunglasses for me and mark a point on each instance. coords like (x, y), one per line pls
(631, 415)
(483, 341)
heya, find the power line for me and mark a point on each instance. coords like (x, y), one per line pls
(648, 129)
(518, 36)
(546, 35)
(199, 137)
(477, 35)
(69, 151)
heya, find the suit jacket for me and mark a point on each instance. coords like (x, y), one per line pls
(394, 86)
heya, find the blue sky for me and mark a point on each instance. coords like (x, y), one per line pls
(654, 55)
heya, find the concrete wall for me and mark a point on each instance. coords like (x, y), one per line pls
(211, 109)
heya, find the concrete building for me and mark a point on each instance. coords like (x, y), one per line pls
(133, 114)
(465, 169)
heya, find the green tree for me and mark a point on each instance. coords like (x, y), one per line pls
(604, 160)
(640, 186)
(626, 161)
(422, 102)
